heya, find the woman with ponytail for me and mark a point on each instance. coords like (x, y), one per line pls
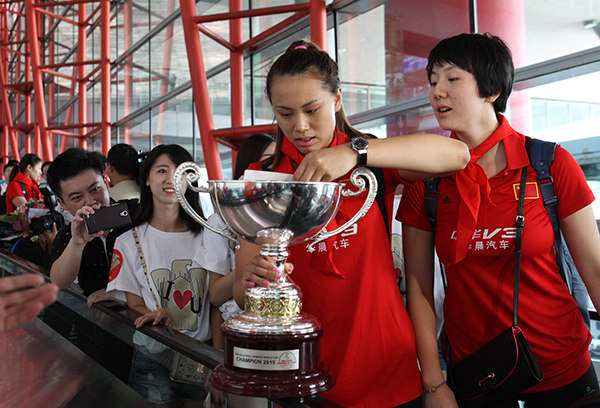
(349, 283)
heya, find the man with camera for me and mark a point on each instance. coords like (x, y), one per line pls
(77, 178)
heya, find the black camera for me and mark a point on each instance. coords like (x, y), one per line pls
(38, 225)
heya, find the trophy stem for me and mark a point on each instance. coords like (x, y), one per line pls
(280, 253)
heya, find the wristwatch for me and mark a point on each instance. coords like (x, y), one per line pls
(360, 145)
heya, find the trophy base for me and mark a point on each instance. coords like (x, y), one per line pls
(271, 385)
(263, 359)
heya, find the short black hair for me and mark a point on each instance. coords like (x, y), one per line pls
(46, 163)
(485, 56)
(69, 164)
(124, 158)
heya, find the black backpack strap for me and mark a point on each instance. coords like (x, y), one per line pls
(23, 189)
(431, 200)
(380, 197)
(541, 156)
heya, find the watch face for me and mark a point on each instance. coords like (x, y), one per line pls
(358, 143)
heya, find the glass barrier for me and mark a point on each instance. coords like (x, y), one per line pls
(132, 360)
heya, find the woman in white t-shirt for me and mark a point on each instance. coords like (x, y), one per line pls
(172, 287)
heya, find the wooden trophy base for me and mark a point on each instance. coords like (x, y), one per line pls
(282, 365)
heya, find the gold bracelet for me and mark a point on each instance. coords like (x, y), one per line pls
(163, 308)
(432, 389)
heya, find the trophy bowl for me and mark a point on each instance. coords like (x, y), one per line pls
(272, 348)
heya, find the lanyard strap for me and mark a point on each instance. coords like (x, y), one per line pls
(143, 261)
(520, 223)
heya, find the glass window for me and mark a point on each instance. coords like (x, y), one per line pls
(542, 30)
(383, 47)
(172, 122)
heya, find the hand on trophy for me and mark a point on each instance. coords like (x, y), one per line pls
(262, 271)
(326, 164)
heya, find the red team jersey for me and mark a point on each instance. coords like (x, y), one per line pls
(478, 304)
(14, 189)
(368, 342)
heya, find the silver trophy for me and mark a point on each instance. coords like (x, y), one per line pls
(272, 347)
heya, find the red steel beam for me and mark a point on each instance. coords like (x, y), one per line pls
(252, 13)
(64, 3)
(81, 73)
(166, 70)
(318, 23)
(105, 74)
(200, 89)
(245, 130)
(236, 67)
(35, 51)
(272, 30)
(51, 84)
(216, 37)
(127, 67)
(8, 123)
(27, 98)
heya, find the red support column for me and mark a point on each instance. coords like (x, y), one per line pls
(127, 67)
(8, 124)
(82, 72)
(318, 23)
(236, 67)
(27, 104)
(166, 72)
(200, 89)
(51, 84)
(35, 55)
(105, 74)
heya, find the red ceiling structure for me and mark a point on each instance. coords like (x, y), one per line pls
(29, 68)
(36, 69)
(193, 26)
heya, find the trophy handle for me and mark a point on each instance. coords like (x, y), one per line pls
(192, 173)
(357, 178)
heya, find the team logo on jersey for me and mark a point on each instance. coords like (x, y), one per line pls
(115, 265)
(531, 190)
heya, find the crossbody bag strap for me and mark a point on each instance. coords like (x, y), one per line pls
(520, 223)
(143, 262)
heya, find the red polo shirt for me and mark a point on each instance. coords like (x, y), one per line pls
(368, 341)
(14, 190)
(478, 304)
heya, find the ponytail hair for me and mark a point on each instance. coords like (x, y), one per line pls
(305, 57)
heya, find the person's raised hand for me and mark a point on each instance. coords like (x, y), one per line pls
(21, 301)
(79, 235)
(327, 164)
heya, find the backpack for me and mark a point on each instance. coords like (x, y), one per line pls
(541, 156)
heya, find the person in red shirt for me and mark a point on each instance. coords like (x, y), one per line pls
(471, 78)
(349, 282)
(30, 170)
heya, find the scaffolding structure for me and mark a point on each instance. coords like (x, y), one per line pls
(193, 26)
(30, 68)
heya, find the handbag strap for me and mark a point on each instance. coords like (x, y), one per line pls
(520, 223)
(144, 267)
